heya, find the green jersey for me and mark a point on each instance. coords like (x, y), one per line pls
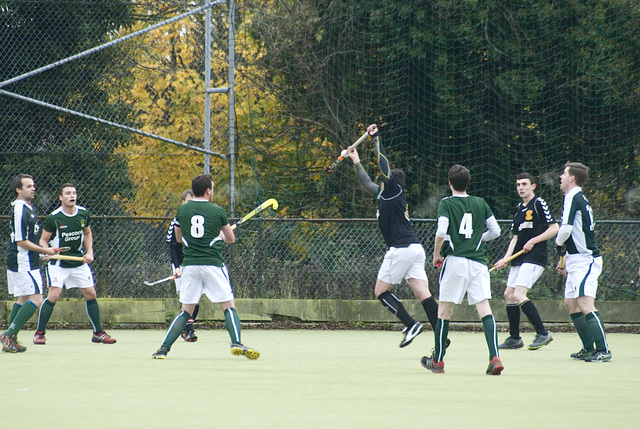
(467, 222)
(67, 231)
(200, 222)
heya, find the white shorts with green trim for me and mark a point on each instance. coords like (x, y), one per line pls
(70, 278)
(209, 280)
(460, 276)
(582, 275)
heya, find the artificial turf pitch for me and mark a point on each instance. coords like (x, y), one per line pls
(313, 379)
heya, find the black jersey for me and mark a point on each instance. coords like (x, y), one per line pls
(175, 248)
(393, 216)
(529, 221)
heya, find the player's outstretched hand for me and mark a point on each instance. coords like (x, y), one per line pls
(372, 130)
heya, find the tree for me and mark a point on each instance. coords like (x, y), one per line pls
(57, 147)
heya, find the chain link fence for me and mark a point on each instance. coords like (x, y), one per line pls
(320, 259)
(110, 95)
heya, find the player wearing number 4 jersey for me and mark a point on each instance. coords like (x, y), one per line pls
(70, 226)
(465, 222)
(583, 265)
(405, 257)
(198, 223)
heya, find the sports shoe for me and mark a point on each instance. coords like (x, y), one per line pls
(541, 341)
(248, 352)
(435, 367)
(161, 353)
(189, 336)
(599, 356)
(495, 366)
(38, 338)
(511, 344)
(582, 354)
(10, 344)
(411, 333)
(102, 337)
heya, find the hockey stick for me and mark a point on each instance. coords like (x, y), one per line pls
(68, 258)
(509, 259)
(61, 249)
(271, 202)
(343, 155)
(166, 279)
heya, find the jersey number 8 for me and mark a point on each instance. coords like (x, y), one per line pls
(197, 226)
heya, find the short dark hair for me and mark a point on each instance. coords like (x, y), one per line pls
(201, 183)
(185, 194)
(524, 175)
(459, 177)
(399, 176)
(16, 183)
(65, 185)
(579, 171)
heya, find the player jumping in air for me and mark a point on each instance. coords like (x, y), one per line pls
(405, 257)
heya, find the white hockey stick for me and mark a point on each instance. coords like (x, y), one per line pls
(157, 282)
(333, 166)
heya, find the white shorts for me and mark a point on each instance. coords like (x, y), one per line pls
(461, 275)
(70, 278)
(524, 275)
(198, 280)
(582, 276)
(403, 262)
(24, 283)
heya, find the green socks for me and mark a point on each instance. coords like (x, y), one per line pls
(94, 314)
(580, 323)
(14, 310)
(175, 329)
(21, 317)
(46, 309)
(232, 323)
(596, 327)
(441, 332)
(490, 334)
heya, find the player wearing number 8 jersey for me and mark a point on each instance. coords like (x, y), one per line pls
(198, 223)
(583, 265)
(465, 222)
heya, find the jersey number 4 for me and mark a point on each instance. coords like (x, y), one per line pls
(466, 225)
